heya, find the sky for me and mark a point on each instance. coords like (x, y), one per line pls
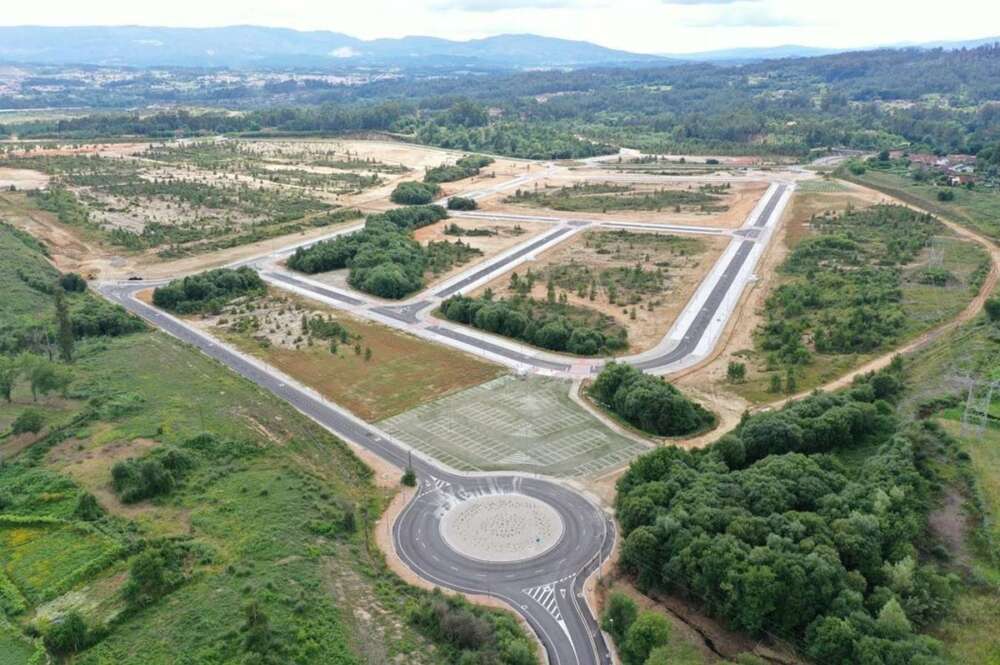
(645, 26)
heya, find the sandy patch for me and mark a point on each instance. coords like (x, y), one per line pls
(501, 528)
(21, 179)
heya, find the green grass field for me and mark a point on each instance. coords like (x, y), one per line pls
(978, 209)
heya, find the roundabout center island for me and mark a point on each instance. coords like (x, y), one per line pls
(501, 528)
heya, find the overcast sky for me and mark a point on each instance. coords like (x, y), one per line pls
(651, 26)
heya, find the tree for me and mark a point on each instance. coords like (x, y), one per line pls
(619, 615)
(10, 372)
(148, 578)
(64, 327)
(258, 639)
(648, 631)
(72, 283)
(44, 376)
(892, 622)
(992, 308)
(409, 477)
(775, 385)
(87, 508)
(68, 635)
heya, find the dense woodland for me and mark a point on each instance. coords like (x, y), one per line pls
(786, 107)
(803, 525)
(648, 402)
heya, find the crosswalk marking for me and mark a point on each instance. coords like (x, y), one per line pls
(545, 596)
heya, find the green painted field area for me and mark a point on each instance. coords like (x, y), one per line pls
(528, 424)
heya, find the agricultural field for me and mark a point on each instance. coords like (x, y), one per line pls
(640, 281)
(370, 369)
(835, 304)
(501, 424)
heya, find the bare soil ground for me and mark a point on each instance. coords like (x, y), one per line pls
(598, 250)
(740, 199)
(21, 179)
(508, 235)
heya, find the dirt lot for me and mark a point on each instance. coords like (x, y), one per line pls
(21, 179)
(684, 266)
(399, 373)
(739, 200)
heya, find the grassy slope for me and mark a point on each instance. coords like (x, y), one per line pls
(265, 521)
(972, 633)
(924, 306)
(978, 209)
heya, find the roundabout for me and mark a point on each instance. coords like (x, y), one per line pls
(501, 528)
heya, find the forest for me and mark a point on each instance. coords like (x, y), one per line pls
(776, 107)
(803, 525)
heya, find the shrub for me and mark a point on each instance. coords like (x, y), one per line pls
(72, 283)
(153, 574)
(87, 508)
(465, 167)
(945, 195)
(29, 420)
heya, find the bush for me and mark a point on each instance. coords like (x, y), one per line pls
(462, 203)
(153, 573)
(648, 631)
(29, 420)
(945, 195)
(72, 283)
(414, 193)
(87, 508)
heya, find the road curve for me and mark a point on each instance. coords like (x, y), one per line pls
(546, 590)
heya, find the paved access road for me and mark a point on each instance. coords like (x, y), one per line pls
(547, 590)
(698, 326)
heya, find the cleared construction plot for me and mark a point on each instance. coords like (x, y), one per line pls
(521, 424)
(693, 203)
(372, 370)
(640, 280)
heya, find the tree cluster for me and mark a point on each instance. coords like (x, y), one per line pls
(464, 167)
(383, 258)
(648, 402)
(767, 530)
(208, 291)
(412, 193)
(540, 324)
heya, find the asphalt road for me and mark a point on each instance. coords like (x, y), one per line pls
(547, 590)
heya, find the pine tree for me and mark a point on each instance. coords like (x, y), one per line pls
(64, 326)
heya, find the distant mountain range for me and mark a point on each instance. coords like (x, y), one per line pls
(252, 46)
(795, 51)
(249, 46)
